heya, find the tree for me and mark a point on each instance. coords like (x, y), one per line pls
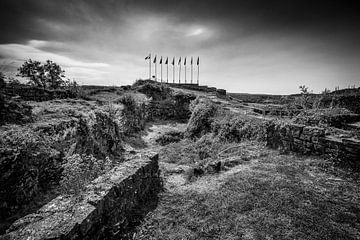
(305, 97)
(48, 75)
(2, 80)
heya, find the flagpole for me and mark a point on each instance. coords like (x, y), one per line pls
(198, 73)
(161, 69)
(174, 70)
(150, 66)
(185, 70)
(179, 72)
(191, 70)
(167, 71)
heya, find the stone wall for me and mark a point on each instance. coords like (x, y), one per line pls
(108, 208)
(174, 108)
(312, 140)
(32, 157)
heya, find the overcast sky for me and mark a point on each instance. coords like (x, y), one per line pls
(257, 46)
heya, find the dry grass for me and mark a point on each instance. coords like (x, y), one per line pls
(274, 197)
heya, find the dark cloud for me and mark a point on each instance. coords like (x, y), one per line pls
(20, 19)
(255, 39)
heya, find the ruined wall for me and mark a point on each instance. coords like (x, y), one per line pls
(107, 208)
(32, 157)
(312, 140)
(175, 107)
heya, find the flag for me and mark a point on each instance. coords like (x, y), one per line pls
(198, 61)
(173, 62)
(160, 60)
(154, 59)
(185, 61)
(147, 57)
(179, 61)
(166, 62)
(191, 62)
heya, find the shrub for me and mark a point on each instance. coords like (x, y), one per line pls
(170, 137)
(133, 116)
(203, 112)
(232, 127)
(154, 90)
(28, 164)
(79, 170)
(327, 116)
(99, 133)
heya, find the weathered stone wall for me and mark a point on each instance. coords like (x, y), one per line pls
(174, 108)
(107, 208)
(31, 158)
(312, 140)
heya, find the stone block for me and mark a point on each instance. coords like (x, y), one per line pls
(296, 130)
(102, 211)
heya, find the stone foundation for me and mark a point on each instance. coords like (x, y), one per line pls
(108, 208)
(312, 140)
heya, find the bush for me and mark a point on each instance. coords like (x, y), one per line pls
(133, 116)
(170, 137)
(233, 127)
(328, 116)
(28, 164)
(154, 90)
(79, 170)
(99, 133)
(203, 112)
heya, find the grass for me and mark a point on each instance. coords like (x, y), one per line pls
(274, 197)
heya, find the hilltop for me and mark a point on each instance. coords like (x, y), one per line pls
(231, 167)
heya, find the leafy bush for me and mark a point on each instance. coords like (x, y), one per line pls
(203, 112)
(2, 80)
(133, 116)
(79, 170)
(325, 116)
(170, 137)
(233, 127)
(99, 133)
(28, 164)
(153, 89)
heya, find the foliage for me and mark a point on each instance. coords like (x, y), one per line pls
(14, 111)
(2, 80)
(28, 165)
(324, 116)
(47, 75)
(203, 112)
(170, 137)
(133, 116)
(98, 134)
(234, 127)
(153, 89)
(79, 170)
(305, 99)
